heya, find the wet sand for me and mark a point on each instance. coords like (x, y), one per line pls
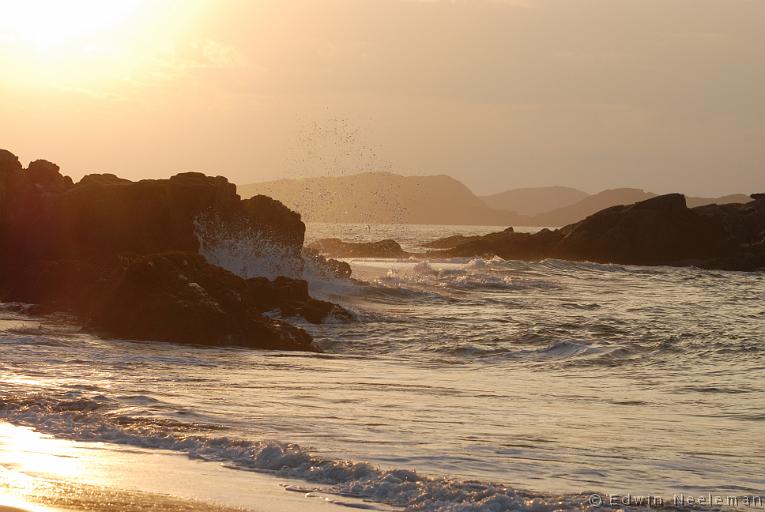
(39, 473)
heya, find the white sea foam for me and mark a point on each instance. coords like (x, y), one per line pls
(476, 369)
(93, 418)
(474, 274)
(246, 252)
(480, 263)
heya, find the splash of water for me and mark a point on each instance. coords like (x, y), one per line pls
(245, 250)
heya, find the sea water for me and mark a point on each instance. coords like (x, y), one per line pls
(464, 384)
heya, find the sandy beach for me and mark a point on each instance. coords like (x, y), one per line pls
(40, 473)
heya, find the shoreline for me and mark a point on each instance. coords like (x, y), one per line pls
(41, 473)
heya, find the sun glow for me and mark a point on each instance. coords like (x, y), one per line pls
(84, 44)
(29, 452)
(50, 24)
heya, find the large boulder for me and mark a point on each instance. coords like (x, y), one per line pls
(180, 297)
(45, 176)
(262, 238)
(103, 214)
(9, 162)
(658, 231)
(101, 179)
(10, 169)
(290, 297)
(45, 217)
(507, 244)
(149, 259)
(319, 266)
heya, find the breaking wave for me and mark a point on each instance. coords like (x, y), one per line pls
(246, 252)
(484, 370)
(476, 273)
(96, 418)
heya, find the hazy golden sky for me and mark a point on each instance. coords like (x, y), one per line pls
(659, 94)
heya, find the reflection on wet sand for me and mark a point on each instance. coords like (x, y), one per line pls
(39, 473)
(43, 474)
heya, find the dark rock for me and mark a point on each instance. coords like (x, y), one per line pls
(507, 244)
(263, 232)
(101, 216)
(180, 297)
(97, 249)
(102, 179)
(291, 298)
(281, 224)
(326, 268)
(10, 171)
(46, 176)
(65, 285)
(9, 162)
(450, 242)
(658, 231)
(335, 247)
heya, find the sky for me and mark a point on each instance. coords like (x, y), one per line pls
(664, 95)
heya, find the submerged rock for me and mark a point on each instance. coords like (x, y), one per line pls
(451, 242)
(335, 247)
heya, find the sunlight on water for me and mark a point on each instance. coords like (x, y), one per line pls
(554, 377)
(31, 453)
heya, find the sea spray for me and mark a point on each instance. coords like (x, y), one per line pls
(246, 250)
(535, 382)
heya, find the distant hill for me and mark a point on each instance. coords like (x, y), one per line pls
(587, 206)
(533, 201)
(387, 198)
(731, 198)
(617, 196)
(383, 198)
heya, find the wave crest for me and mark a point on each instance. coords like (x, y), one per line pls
(477, 273)
(81, 417)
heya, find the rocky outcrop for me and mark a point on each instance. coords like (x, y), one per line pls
(336, 248)
(99, 249)
(180, 297)
(659, 231)
(49, 217)
(451, 242)
(324, 268)
(507, 244)
(290, 297)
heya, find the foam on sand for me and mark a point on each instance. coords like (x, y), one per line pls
(39, 473)
(337, 481)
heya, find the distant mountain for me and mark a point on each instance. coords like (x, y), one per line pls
(533, 201)
(617, 196)
(387, 198)
(731, 198)
(383, 198)
(587, 206)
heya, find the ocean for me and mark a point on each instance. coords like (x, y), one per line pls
(464, 384)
